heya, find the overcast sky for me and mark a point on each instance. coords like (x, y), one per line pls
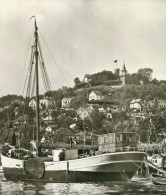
(84, 37)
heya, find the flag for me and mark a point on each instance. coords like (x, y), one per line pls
(115, 61)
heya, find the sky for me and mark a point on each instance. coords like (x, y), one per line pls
(83, 37)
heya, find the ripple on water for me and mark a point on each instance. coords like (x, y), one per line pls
(139, 186)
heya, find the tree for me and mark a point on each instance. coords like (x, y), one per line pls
(145, 75)
(77, 81)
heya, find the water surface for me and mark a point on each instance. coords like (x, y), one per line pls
(135, 186)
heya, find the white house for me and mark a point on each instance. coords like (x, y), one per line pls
(51, 128)
(32, 104)
(66, 102)
(136, 104)
(82, 113)
(95, 95)
(101, 109)
(73, 126)
(48, 118)
(161, 103)
(152, 103)
(47, 102)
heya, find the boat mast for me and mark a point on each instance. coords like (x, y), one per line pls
(37, 82)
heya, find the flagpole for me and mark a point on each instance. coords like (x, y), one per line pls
(116, 62)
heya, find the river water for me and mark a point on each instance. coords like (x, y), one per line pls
(135, 186)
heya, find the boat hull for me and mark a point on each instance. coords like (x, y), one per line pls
(158, 180)
(106, 167)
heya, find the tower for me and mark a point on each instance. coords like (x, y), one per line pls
(123, 75)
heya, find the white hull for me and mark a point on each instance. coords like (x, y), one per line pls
(104, 167)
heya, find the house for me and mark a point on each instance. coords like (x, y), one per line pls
(86, 137)
(73, 126)
(95, 95)
(109, 116)
(136, 104)
(48, 118)
(87, 78)
(139, 117)
(62, 135)
(101, 109)
(32, 104)
(115, 108)
(157, 103)
(152, 103)
(90, 109)
(51, 128)
(46, 102)
(66, 102)
(82, 113)
(161, 103)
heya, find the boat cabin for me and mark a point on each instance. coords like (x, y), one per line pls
(114, 142)
(70, 154)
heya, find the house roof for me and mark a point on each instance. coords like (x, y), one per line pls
(135, 101)
(67, 98)
(64, 131)
(97, 92)
(81, 133)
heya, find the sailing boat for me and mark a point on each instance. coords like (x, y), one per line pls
(102, 166)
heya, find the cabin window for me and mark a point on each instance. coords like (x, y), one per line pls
(118, 139)
(130, 138)
(101, 140)
(106, 139)
(111, 139)
(125, 138)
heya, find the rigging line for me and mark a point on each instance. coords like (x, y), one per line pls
(44, 68)
(29, 80)
(121, 173)
(42, 73)
(44, 76)
(47, 78)
(133, 162)
(25, 62)
(32, 56)
(55, 61)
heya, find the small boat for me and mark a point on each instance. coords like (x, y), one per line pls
(156, 164)
(105, 165)
(158, 179)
